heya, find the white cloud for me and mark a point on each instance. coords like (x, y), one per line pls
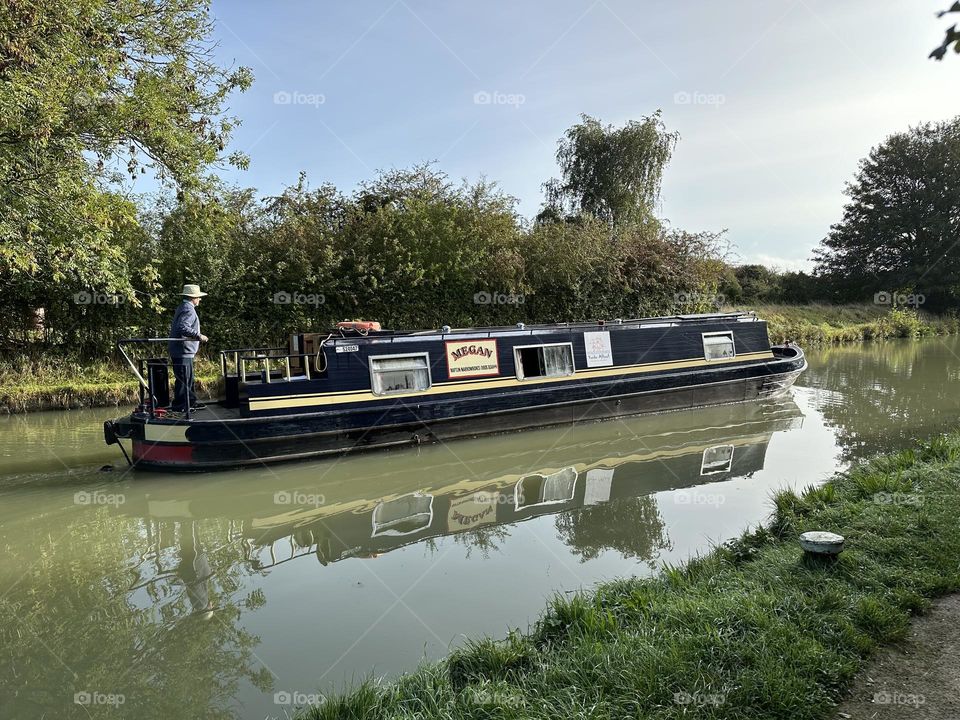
(779, 263)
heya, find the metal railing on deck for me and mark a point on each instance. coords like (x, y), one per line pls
(238, 358)
(234, 366)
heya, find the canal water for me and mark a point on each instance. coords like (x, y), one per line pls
(242, 594)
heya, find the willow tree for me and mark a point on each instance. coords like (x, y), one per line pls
(93, 92)
(610, 173)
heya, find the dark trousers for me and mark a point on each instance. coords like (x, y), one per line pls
(183, 386)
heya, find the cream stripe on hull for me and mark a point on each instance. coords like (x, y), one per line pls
(336, 398)
(157, 432)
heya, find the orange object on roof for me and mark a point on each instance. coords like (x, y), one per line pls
(359, 325)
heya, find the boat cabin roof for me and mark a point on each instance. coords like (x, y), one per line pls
(525, 329)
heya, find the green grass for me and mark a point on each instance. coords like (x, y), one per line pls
(29, 383)
(751, 630)
(818, 324)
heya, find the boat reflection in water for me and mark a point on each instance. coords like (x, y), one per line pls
(363, 507)
(160, 588)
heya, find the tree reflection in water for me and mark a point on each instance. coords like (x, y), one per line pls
(882, 396)
(486, 540)
(631, 526)
(146, 609)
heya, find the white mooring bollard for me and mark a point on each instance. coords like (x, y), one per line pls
(820, 542)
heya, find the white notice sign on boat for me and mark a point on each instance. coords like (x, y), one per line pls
(599, 353)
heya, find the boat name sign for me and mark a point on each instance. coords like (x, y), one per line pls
(475, 359)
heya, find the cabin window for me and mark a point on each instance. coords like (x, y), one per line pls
(718, 346)
(396, 374)
(404, 515)
(537, 489)
(717, 459)
(535, 361)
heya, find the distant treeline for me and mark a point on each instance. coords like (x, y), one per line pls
(409, 249)
(745, 284)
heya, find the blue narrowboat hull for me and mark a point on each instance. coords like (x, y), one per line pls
(339, 413)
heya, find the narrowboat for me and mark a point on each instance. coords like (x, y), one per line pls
(361, 387)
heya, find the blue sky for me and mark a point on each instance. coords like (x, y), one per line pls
(775, 101)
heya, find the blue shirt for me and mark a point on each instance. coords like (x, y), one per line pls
(186, 324)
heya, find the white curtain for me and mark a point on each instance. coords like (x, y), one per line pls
(557, 360)
(398, 375)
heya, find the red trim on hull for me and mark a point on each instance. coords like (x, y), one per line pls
(161, 452)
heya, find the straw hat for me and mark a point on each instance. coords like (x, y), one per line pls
(192, 291)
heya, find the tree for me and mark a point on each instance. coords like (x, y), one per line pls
(416, 250)
(730, 287)
(901, 228)
(92, 91)
(951, 37)
(610, 173)
(757, 282)
(799, 287)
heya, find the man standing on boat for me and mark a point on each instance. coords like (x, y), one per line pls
(186, 324)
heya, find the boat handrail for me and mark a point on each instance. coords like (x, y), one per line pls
(235, 352)
(241, 356)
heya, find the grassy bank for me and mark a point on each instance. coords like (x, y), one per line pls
(751, 630)
(816, 324)
(28, 384)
